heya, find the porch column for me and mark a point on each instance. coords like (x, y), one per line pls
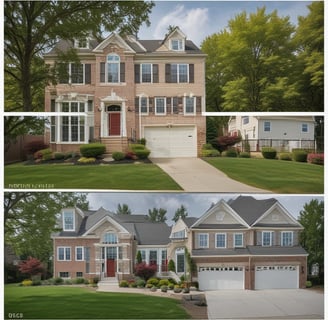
(123, 114)
(102, 107)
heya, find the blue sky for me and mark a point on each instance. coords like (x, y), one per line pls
(198, 19)
(195, 203)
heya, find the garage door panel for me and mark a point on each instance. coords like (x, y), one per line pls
(169, 142)
(276, 277)
(220, 280)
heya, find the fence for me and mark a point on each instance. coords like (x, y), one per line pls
(281, 145)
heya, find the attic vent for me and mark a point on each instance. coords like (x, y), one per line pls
(220, 216)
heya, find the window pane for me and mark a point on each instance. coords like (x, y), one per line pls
(180, 263)
(61, 255)
(113, 72)
(174, 73)
(76, 73)
(65, 107)
(79, 253)
(238, 240)
(190, 105)
(183, 73)
(146, 72)
(144, 105)
(74, 128)
(220, 241)
(153, 257)
(68, 221)
(267, 126)
(68, 253)
(160, 105)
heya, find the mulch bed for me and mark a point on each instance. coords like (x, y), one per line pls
(97, 162)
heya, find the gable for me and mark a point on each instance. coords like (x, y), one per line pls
(116, 40)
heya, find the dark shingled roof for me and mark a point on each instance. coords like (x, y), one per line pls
(251, 209)
(189, 221)
(220, 226)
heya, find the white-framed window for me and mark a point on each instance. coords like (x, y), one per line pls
(305, 128)
(267, 126)
(64, 274)
(76, 73)
(110, 238)
(190, 105)
(81, 43)
(64, 253)
(202, 240)
(177, 44)
(221, 240)
(238, 240)
(68, 221)
(245, 119)
(267, 238)
(144, 105)
(113, 68)
(146, 71)
(179, 73)
(79, 253)
(286, 238)
(160, 105)
(179, 234)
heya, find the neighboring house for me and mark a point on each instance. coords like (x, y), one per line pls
(240, 244)
(125, 89)
(282, 132)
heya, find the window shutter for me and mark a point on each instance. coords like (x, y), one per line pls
(63, 72)
(168, 105)
(122, 72)
(273, 239)
(175, 103)
(136, 104)
(151, 105)
(155, 73)
(258, 238)
(87, 70)
(191, 73)
(52, 105)
(199, 104)
(102, 71)
(167, 73)
(137, 73)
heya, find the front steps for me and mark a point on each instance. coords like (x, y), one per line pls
(115, 144)
(108, 284)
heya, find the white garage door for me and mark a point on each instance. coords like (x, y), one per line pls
(221, 278)
(171, 142)
(276, 277)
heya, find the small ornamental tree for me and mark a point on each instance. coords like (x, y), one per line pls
(224, 142)
(171, 265)
(139, 257)
(145, 271)
(31, 267)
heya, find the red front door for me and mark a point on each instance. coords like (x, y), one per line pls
(114, 124)
(110, 268)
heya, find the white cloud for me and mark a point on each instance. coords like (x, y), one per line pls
(192, 22)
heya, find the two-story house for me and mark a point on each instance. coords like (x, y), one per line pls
(240, 244)
(282, 132)
(124, 89)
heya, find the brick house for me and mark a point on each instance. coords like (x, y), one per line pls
(124, 89)
(240, 244)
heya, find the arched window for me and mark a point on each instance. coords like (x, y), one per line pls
(113, 68)
(110, 238)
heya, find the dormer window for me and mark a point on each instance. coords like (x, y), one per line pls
(110, 238)
(177, 44)
(81, 43)
(68, 221)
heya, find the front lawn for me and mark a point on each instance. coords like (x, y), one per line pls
(274, 175)
(51, 302)
(67, 176)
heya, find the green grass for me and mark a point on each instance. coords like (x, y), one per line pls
(273, 175)
(52, 302)
(119, 176)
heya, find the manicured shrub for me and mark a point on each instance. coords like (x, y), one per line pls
(133, 284)
(171, 286)
(59, 155)
(124, 284)
(142, 141)
(300, 156)
(58, 280)
(142, 153)
(285, 156)
(86, 160)
(269, 153)
(210, 153)
(27, 283)
(230, 153)
(95, 280)
(68, 282)
(163, 282)
(141, 283)
(137, 146)
(164, 288)
(78, 281)
(153, 289)
(308, 284)
(316, 158)
(177, 289)
(207, 146)
(171, 265)
(153, 281)
(44, 154)
(92, 150)
(118, 156)
(244, 155)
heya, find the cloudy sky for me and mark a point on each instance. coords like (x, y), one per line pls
(195, 203)
(198, 19)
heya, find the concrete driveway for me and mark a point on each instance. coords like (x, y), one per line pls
(195, 175)
(265, 304)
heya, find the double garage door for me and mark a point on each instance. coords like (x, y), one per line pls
(171, 141)
(266, 277)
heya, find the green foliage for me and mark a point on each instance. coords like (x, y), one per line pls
(308, 284)
(142, 141)
(140, 150)
(164, 288)
(123, 209)
(118, 156)
(210, 153)
(163, 282)
(244, 155)
(180, 213)
(171, 265)
(124, 284)
(58, 281)
(44, 154)
(269, 153)
(287, 156)
(300, 156)
(141, 283)
(86, 160)
(153, 281)
(59, 155)
(137, 146)
(27, 283)
(157, 215)
(78, 281)
(92, 150)
(139, 257)
(230, 153)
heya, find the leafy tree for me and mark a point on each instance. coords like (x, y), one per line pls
(171, 266)
(251, 64)
(157, 215)
(312, 237)
(139, 257)
(32, 27)
(123, 209)
(224, 142)
(180, 213)
(31, 267)
(30, 219)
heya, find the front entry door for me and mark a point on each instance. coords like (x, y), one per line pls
(114, 124)
(110, 268)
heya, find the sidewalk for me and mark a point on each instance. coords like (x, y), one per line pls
(195, 175)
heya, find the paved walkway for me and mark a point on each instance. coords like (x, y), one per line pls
(195, 175)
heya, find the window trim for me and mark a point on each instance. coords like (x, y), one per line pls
(147, 105)
(116, 62)
(225, 240)
(281, 238)
(151, 73)
(180, 42)
(199, 241)
(265, 126)
(65, 256)
(63, 217)
(179, 73)
(303, 126)
(165, 109)
(78, 40)
(242, 240)
(267, 245)
(185, 106)
(76, 248)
